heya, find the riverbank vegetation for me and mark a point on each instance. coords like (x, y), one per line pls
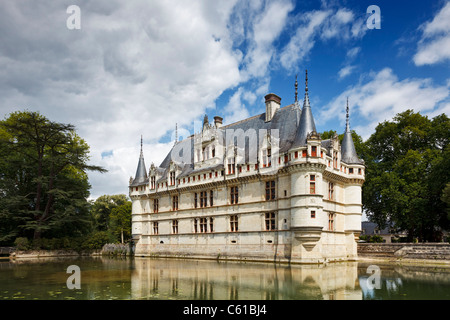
(407, 184)
(44, 189)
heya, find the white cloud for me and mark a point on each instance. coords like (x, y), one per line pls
(235, 110)
(383, 95)
(434, 46)
(345, 71)
(324, 25)
(264, 28)
(302, 41)
(353, 52)
(133, 68)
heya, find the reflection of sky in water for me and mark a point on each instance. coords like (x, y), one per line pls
(368, 291)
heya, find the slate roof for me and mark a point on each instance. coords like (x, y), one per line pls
(141, 172)
(293, 123)
(348, 151)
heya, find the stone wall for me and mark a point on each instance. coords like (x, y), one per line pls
(31, 254)
(421, 251)
(117, 249)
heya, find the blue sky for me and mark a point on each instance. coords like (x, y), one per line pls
(139, 67)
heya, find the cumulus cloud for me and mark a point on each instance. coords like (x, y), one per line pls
(434, 45)
(345, 71)
(326, 24)
(381, 95)
(134, 67)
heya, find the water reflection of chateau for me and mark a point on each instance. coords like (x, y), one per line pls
(211, 280)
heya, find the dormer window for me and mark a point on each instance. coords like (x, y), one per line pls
(267, 157)
(152, 182)
(172, 178)
(231, 166)
(313, 151)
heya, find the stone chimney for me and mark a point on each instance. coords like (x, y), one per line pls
(218, 121)
(273, 103)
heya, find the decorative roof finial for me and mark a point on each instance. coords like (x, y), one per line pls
(347, 121)
(176, 133)
(141, 145)
(306, 101)
(306, 81)
(296, 91)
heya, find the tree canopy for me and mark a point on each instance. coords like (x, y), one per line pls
(43, 178)
(408, 161)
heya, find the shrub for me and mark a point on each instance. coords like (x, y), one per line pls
(22, 243)
(97, 240)
(376, 239)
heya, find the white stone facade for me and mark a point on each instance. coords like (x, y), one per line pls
(295, 205)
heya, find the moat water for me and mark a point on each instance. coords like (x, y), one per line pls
(144, 278)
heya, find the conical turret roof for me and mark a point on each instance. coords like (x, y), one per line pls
(141, 172)
(306, 123)
(348, 151)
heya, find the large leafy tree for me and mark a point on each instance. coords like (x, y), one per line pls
(102, 207)
(43, 180)
(120, 221)
(408, 161)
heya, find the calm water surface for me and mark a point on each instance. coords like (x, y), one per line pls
(144, 278)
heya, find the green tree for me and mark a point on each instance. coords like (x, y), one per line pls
(102, 207)
(120, 220)
(43, 178)
(407, 163)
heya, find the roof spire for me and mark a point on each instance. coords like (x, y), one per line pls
(306, 80)
(347, 121)
(306, 101)
(142, 153)
(176, 133)
(296, 91)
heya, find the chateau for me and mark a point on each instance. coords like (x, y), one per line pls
(266, 188)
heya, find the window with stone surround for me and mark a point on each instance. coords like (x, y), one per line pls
(211, 198)
(174, 203)
(267, 157)
(313, 151)
(270, 221)
(175, 226)
(155, 227)
(195, 200)
(312, 184)
(270, 190)
(330, 191)
(203, 199)
(155, 205)
(231, 166)
(152, 182)
(211, 224)
(331, 221)
(234, 195)
(172, 178)
(234, 227)
(195, 225)
(203, 225)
